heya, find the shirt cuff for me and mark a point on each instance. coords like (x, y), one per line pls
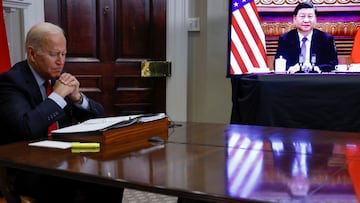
(83, 103)
(57, 99)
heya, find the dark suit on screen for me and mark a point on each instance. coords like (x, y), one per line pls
(322, 44)
(24, 115)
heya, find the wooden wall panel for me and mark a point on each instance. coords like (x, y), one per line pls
(53, 11)
(107, 41)
(81, 29)
(92, 85)
(141, 31)
(133, 29)
(158, 30)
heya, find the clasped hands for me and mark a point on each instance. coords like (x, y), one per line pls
(68, 85)
(295, 68)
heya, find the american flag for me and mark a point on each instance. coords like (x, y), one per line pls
(247, 43)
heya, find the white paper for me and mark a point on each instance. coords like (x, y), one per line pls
(355, 67)
(104, 123)
(51, 144)
(92, 124)
(152, 118)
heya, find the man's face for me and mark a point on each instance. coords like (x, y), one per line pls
(50, 59)
(305, 20)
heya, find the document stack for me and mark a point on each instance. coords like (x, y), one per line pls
(121, 129)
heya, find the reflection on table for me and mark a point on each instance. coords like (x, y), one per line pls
(290, 169)
(215, 163)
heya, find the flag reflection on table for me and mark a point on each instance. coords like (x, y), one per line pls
(244, 164)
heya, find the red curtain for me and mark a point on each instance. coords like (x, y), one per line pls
(5, 63)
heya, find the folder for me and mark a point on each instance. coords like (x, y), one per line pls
(134, 129)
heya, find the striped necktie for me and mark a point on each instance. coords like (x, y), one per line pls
(303, 48)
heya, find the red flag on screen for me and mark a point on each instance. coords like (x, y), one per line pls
(355, 52)
(248, 51)
(5, 63)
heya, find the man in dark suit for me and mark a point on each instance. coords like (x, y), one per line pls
(28, 109)
(300, 164)
(319, 49)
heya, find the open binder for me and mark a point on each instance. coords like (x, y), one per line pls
(122, 129)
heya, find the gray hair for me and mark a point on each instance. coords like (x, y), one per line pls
(37, 33)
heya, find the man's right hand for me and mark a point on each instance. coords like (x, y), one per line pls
(62, 89)
(293, 69)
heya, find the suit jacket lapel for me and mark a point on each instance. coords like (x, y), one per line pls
(31, 86)
(313, 42)
(296, 41)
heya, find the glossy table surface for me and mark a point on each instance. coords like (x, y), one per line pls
(215, 162)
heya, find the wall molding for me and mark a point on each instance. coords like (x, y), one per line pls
(11, 5)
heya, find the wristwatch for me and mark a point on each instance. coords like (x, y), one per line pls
(80, 101)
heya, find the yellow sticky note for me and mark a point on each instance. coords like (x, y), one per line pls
(84, 150)
(85, 145)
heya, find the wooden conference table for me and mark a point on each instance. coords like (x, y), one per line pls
(329, 101)
(215, 163)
